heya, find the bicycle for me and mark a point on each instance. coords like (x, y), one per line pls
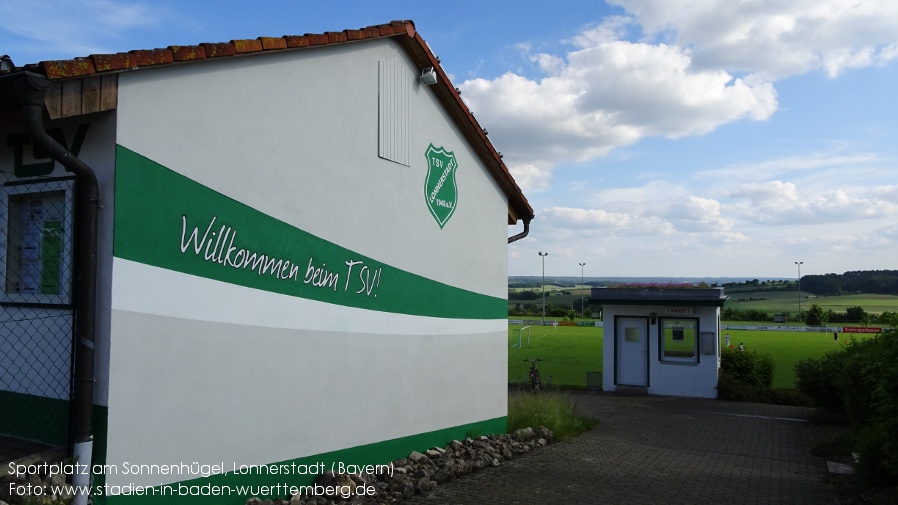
(534, 373)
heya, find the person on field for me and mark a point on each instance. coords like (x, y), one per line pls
(836, 337)
(728, 339)
(741, 347)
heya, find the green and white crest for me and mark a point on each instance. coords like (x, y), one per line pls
(440, 190)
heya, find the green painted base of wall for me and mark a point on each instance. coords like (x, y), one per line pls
(377, 453)
(36, 418)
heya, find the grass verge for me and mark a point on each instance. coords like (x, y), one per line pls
(554, 410)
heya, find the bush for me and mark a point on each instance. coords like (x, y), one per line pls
(819, 380)
(859, 384)
(552, 410)
(862, 370)
(746, 376)
(749, 367)
(730, 388)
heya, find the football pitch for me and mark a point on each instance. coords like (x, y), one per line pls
(569, 352)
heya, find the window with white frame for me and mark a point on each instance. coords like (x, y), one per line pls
(36, 242)
(679, 340)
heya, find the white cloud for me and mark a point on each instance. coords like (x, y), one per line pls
(530, 178)
(609, 93)
(887, 193)
(701, 64)
(778, 202)
(645, 217)
(777, 39)
(698, 214)
(834, 160)
(603, 222)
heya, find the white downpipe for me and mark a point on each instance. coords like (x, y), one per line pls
(81, 455)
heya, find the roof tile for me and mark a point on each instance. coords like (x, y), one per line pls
(58, 69)
(354, 34)
(269, 43)
(107, 62)
(316, 39)
(296, 40)
(335, 37)
(147, 57)
(384, 30)
(186, 53)
(247, 46)
(218, 49)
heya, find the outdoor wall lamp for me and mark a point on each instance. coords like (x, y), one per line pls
(653, 318)
(429, 76)
(6, 64)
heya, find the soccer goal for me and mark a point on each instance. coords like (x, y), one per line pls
(520, 342)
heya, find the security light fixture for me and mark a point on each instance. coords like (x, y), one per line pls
(6, 64)
(429, 76)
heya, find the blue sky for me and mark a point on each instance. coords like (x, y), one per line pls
(700, 138)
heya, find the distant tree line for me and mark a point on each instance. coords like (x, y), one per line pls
(882, 282)
(814, 316)
(758, 285)
(524, 295)
(534, 295)
(536, 309)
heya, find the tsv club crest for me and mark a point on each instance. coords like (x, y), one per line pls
(440, 190)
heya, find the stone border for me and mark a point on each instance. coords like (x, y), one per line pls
(419, 473)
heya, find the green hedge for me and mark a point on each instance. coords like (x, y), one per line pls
(858, 385)
(745, 376)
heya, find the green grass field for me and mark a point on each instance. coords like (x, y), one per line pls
(786, 348)
(568, 352)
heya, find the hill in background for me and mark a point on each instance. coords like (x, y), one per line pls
(521, 281)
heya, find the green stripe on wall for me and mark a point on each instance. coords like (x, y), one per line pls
(34, 418)
(377, 453)
(152, 203)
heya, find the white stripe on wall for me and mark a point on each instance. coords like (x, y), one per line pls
(137, 287)
(184, 391)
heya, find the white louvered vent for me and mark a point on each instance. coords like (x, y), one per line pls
(394, 87)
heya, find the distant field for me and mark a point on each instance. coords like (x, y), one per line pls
(569, 352)
(772, 302)
(784, 301)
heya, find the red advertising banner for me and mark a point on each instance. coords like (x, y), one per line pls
(860, 329)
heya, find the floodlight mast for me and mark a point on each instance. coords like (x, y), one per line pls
(799, 263)
(543, 256)
(582, 307)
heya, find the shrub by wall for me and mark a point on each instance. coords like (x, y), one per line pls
(745, 376)
(749, 367)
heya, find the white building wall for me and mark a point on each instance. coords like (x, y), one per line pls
(209, 370)
(286, 133)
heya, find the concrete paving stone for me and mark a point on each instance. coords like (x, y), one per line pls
(660, 450)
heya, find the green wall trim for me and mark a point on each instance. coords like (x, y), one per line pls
(166, 220)
(379, 453)
(34, 418)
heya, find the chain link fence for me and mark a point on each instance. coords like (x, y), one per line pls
(36, 310)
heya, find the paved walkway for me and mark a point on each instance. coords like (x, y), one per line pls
(659, 450)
